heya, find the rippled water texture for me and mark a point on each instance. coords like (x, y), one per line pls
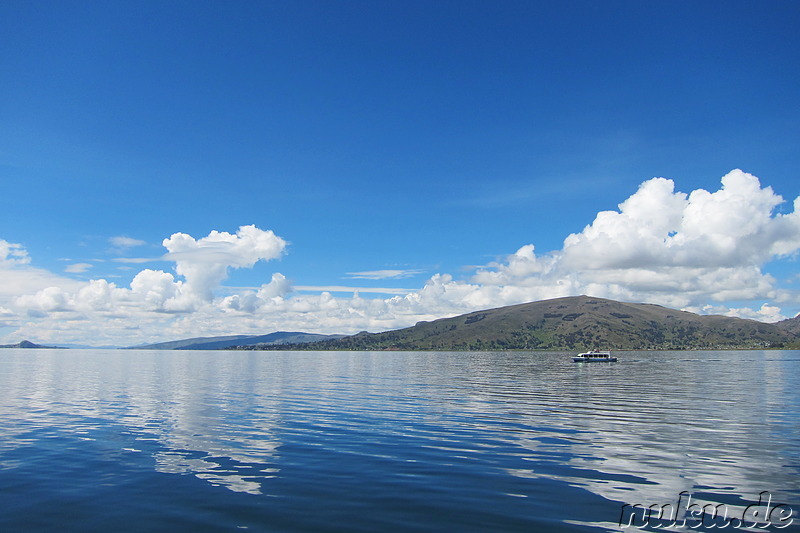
(101, 440)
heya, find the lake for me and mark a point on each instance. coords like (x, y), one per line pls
(113, 440)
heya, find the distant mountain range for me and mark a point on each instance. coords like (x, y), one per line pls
(573, 323)
(25, 344)
(220, 343)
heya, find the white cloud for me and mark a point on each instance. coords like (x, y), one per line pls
(252, 301)
(658, 227)
(136, 260)
(46, 300)
(666, 247)
(52, 303)
(157, 290)
(8, 319)
(383, 274)
(204, 263)
(18, 277)
(698, 251)
(766, 313)
(13, 254)
(123, 242)
(78, 268)
(345, 288)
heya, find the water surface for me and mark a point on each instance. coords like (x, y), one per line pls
(104, 440)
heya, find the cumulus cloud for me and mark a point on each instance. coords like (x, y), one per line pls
(701, 251)
(252, 301)
(157, 290)
(657, 227)
(668, 247)
(766, 313)
(47, 300)
(204, 263)
(201, 265)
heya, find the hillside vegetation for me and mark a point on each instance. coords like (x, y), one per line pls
(239, 341)
(573, 323)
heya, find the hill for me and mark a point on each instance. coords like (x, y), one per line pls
(25, 344)
(573, 323)
(221, 343)
(791, 325)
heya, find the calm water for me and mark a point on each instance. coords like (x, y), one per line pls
(101, 440)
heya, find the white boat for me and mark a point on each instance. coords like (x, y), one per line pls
(593, 356)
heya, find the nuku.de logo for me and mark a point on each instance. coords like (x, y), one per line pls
(685, 513)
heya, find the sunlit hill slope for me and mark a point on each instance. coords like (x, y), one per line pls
(573, 323)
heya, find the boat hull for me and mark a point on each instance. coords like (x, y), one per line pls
(594, 356)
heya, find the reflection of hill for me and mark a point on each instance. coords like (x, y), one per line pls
(574, 323)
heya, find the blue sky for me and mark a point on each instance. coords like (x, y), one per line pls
(404, 140)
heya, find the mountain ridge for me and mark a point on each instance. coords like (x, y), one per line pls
(28, 344)
(572, 323)
(792, 325)
(226, 341)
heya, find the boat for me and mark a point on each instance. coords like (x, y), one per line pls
(593, 356)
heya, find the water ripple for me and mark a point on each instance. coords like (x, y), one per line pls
(280, 441)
